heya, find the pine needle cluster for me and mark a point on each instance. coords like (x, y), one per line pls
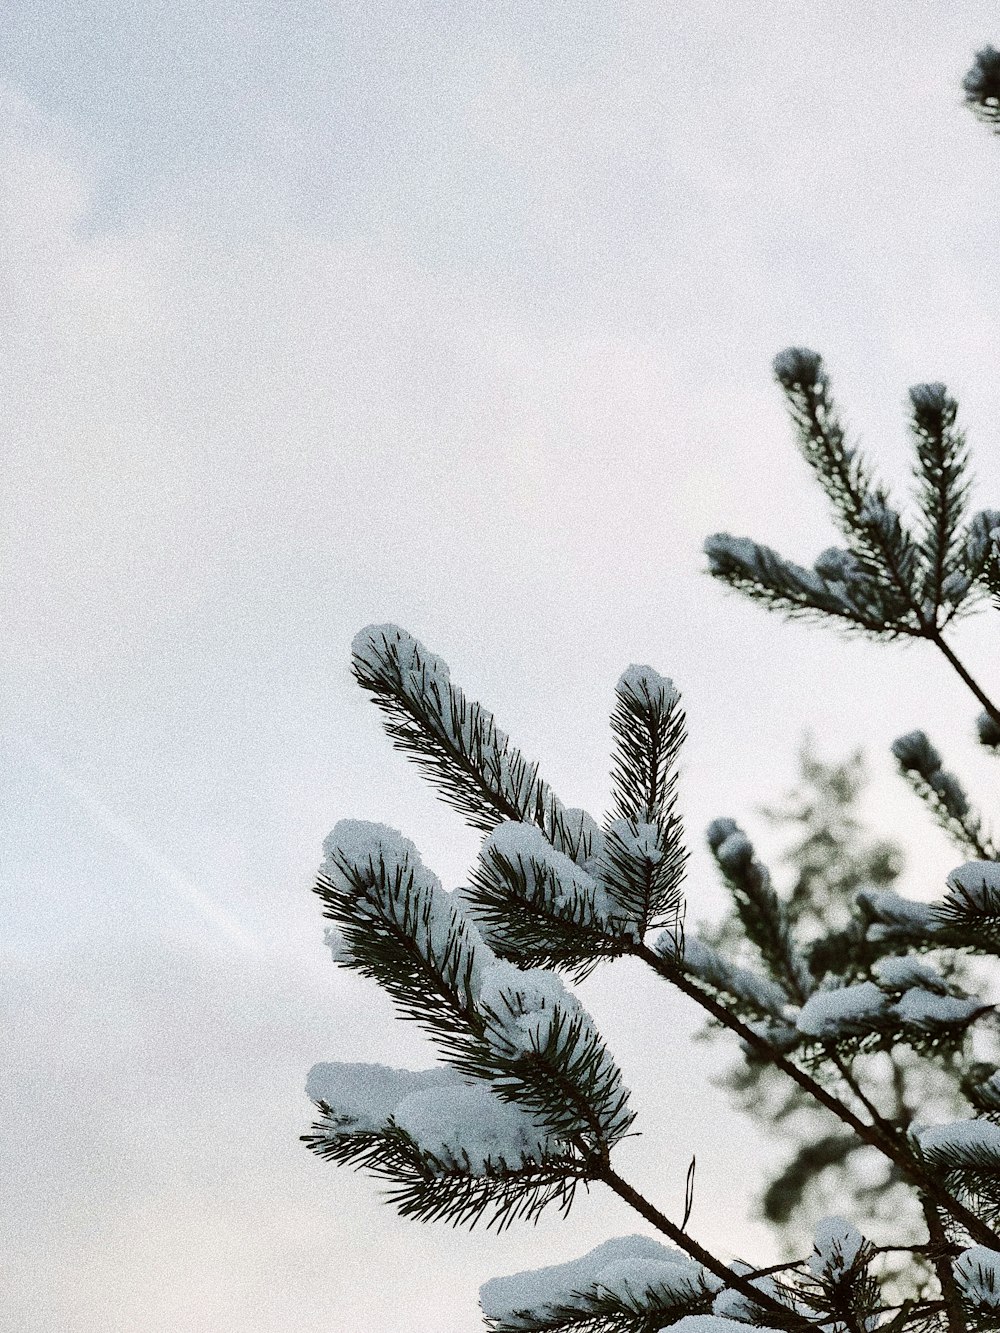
(895, 577)
(526, 1103)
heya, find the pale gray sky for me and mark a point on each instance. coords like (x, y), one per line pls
(459, 316)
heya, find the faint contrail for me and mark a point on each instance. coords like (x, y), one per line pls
(125, 834)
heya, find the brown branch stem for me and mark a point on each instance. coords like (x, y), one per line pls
(937, 639)
(879, 1121)
(683, 1241)
(938, 1253)
(892, 1148)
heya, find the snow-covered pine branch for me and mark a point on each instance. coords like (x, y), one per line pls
(760, 910)
(634, 1285)
(643, 856)
(648, 725)
(892, 922)
(449, 1147)
(885, 552)
(536, 907)
(630, 1283)
(988, 732)
(943, 488)
(967, 917)
(842, 1288)
(457, 743)
(970, 910)
(982, 86)
(967, 1155)
(394, 922)
(750, 995)
(528, 1103)
(905, 1002)
(943, 794)
(981, 1086)
(523, 888)
(887, 583)
(531, 1103)
(836, 588)
(977, 1274)
(520, 1031)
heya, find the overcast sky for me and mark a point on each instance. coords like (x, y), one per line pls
(460, 316)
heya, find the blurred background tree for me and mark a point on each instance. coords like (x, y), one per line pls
(828, 857)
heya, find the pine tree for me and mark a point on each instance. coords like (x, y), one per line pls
(527, 1103)
(829, 859)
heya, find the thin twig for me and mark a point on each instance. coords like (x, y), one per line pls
(893, 1149)
(890, 1130)
(991, 708)
(738, 1281)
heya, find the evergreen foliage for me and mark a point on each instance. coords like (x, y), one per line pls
(893, 580)
(829, 859)
(536, 1104)
(762, 914)
(982, 86)
(943, 794)
(862, 1012)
